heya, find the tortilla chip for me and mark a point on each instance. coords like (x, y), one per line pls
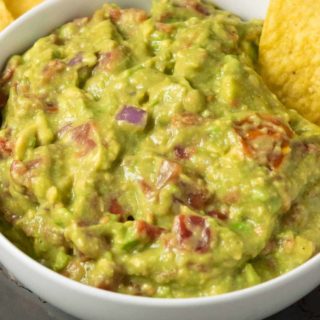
(290, 54)
(5, 16)
(19, 7)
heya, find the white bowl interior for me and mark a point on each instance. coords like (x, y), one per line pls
(247, 9)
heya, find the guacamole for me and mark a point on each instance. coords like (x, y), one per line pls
(143, 154)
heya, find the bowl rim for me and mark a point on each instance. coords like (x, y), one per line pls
(61, 280)
(250, 292)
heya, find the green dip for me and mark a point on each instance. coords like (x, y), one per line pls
(143, 154)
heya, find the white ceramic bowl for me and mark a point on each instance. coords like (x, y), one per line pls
(94, 304)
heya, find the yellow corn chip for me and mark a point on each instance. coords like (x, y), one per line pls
(5, 15)
(19, 7)
(290, 54)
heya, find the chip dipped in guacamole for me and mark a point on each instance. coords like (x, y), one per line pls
(142, 153)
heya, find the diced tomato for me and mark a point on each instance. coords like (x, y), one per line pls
(164, 27)
(147, 230)
(197, 200)
(51, 108)
(193, 5)
(82, 136)
(235, 103)
(193, 195)
(64, 129)
(165, 17)
(264, 138)
(201, 9)
(217, 214)
(3, 99)
(17, 168)
(193, 233)
(52, 69)
(127, 16)
(186, 119)
(33, 164)
(278, 123)
(115, 14)
(180, 152)
(231, 197)
(5, 148)
(304, 147)
(136, 15)
(105, 60)
(183, 153)
(7, 75)
(115, 207)
(146, 188)
(269, 248)
(313, 148)
(22, 89)
(109, 61)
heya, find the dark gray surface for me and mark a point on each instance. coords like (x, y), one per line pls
(18, 303)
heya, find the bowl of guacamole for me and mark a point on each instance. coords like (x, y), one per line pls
(142, 154)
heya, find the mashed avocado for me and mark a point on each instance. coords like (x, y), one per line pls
(143, 154)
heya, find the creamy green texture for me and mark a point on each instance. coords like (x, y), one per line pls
(143, 154)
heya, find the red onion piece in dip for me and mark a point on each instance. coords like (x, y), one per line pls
(133, 115)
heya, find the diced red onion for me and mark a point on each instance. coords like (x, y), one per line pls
(77, 59)
(133, 116)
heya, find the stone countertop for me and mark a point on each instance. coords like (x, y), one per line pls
(18, 303)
